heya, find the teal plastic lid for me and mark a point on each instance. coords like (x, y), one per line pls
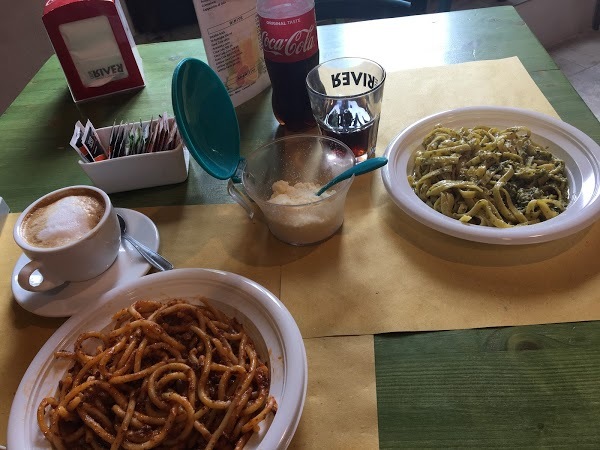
(206, 118)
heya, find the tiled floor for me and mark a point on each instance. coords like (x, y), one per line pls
(579, 59)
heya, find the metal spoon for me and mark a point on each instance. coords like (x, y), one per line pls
(156, 260)
(359, 169)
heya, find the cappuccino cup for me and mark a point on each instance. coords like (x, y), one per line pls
(71, 234)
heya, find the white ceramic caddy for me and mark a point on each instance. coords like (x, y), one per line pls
(266, 320)
(128, 173)
(580, 153)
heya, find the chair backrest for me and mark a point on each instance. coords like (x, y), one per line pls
(327, 10)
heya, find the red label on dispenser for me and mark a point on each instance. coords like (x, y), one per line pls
(94, 46)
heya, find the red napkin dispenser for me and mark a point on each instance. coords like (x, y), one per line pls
(94, 46)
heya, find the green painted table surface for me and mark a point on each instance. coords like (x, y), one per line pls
(535, 386)
(35, 153)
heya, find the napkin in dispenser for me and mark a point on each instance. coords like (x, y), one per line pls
(94, 45)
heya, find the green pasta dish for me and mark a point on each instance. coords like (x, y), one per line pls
(489, 176)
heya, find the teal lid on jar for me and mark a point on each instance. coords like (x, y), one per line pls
(206, 118)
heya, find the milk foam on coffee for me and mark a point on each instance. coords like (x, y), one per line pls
(63, 221)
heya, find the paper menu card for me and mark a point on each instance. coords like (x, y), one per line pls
(231, 40)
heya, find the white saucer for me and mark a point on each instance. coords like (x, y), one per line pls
(73, 297)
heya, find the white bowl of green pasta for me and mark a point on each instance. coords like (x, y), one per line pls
(496, 175)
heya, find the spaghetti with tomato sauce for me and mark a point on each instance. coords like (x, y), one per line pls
(168, 375)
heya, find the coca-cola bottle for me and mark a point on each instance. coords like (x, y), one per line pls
(289, 41)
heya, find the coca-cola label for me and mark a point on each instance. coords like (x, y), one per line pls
(289, 40)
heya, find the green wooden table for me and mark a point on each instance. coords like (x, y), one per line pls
(37, 127)
(525, 387)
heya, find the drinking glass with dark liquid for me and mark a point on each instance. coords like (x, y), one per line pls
(345, 96)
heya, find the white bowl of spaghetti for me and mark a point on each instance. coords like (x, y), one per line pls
(264, 386)
(579, 153)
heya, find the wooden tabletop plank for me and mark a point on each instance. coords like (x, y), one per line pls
(514, 387)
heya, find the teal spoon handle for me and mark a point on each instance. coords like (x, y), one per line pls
(359, 169)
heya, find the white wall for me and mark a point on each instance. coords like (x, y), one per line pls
(24, 46)
(554, 21)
